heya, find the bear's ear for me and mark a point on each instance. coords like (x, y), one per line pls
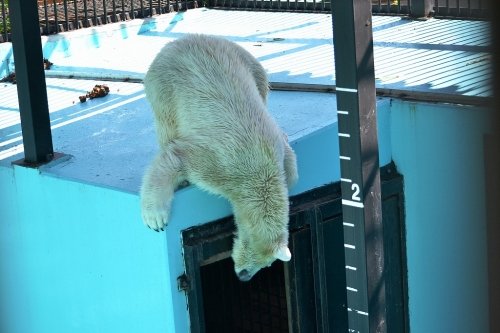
(283, 253)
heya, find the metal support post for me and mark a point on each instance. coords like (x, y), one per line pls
(30, 77)
(492, 181)
(359, 164)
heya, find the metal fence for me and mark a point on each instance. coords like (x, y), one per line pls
(442, 8)
(64, 15)
(379, 6)
(461, 8)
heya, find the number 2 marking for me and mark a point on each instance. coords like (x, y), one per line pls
(355, 195)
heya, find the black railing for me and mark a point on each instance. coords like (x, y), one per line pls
(398, 7)
(4, 21)
(461, 8)
(437, 8)
(401, 7)
(64, 15)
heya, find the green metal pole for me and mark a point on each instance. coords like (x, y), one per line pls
(30, 77)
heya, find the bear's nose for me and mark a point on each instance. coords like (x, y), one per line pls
(243, 275)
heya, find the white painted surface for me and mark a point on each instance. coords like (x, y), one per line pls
(437, 55)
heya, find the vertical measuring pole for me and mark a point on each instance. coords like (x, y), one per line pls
(359, 164)
(30, 77)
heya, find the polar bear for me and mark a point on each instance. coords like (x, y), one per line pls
(209, 99)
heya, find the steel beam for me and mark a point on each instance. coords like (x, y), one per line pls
(30, 77)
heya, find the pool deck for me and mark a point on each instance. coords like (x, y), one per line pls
(435, 57)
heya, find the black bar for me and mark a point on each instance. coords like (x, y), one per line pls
(56, 18)
(422, 8)
(123, 11)
(46, 14)
(105, 11)
(85, 15)
(66, 19)
(142, 9)
(4, 21)
(95, 12)
(77, 25)
(30, 77)
(124, 18)
(114, 12)
(360, 183)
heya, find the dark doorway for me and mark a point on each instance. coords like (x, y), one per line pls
(307, 294)
(256, 306)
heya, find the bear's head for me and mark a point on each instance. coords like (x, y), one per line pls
(250, 256)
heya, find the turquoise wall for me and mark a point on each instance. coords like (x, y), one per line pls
(439, 150)
(75, 257)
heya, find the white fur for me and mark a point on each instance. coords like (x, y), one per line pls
(209, 99)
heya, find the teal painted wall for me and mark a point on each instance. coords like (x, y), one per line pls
(439, 150)
(76, 258)
(81, 252)
(73, 258)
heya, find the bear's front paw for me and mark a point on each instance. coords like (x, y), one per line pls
(155, 218)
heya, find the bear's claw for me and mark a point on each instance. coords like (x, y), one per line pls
(155, 219)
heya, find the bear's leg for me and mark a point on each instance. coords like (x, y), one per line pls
(290, 166)
(159, 183)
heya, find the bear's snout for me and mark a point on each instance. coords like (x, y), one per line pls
(244, 275)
